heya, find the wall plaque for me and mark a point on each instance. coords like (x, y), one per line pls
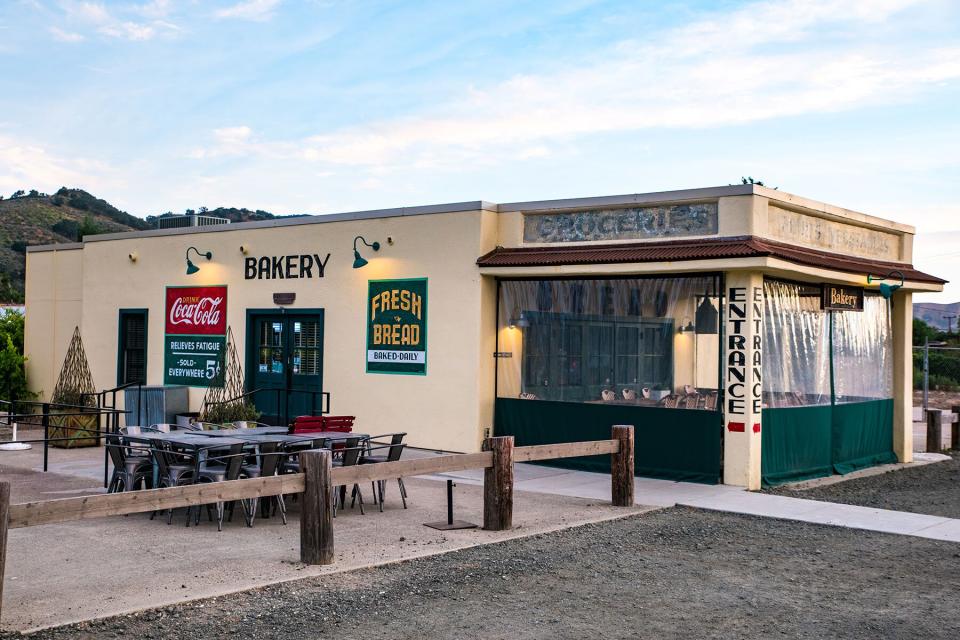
(633, 223)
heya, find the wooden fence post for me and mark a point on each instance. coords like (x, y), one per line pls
(955, 427)
(934, 426)
(498, 486)
(4, 521)
(316, 507)
(621, 466)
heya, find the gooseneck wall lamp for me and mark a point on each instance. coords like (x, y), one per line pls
(886, 290)
(192, 268)
(358, 260)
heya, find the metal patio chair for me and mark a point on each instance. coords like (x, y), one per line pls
(379, 451)
(220, 467)
(265, 464)
(175, 469)
(128, 471)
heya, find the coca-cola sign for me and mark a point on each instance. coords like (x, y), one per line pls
(196, 310)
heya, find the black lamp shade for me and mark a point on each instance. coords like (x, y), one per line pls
(708, 318)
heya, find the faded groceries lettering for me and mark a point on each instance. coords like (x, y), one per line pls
(739, 391)
(635, 223)
(284, 267)
(397, 326)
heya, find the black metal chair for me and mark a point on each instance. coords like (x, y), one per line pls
(128, 470)
(265, 464)
(378, 451)
(220, 467)
(350, 455)
(175, 469)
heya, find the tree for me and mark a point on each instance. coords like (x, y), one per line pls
(88, 228)
(204, 209)
(33, 193)
(923, 332)
(13, 376)
(19, 193)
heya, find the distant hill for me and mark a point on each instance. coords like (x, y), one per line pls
(30, 218)
(230, 213)
(935, 314)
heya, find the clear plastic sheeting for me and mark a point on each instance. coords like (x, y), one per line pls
(796, 347)
(863, 352)
(631, 341)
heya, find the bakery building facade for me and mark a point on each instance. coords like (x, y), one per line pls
(750, 335)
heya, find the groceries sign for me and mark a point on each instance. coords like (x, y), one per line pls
(195, 336)
(397, 326)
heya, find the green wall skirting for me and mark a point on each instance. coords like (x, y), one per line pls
(862, 435)
(795, 444)
(799, 443)
(676, 444)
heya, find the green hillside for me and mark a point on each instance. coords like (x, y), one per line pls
(28, 218)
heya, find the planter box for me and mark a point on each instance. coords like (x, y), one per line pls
(80, 430)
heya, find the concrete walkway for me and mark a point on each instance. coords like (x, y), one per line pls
(666, 493)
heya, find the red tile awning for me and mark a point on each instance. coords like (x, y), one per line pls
(702, 249)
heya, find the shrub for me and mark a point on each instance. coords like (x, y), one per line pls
(13, 377)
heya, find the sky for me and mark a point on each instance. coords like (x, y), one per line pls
(318, 106)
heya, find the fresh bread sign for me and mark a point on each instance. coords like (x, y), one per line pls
(195, 336)
(397, 326)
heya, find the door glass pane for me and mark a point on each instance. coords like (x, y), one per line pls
(271, 347)
(306, 347)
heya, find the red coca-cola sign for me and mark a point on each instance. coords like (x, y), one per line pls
(197, 310)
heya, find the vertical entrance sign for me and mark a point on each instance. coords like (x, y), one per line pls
(743, 379)
(397, 326)
(194, 343)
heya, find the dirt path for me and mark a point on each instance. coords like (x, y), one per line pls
(933, 489)
(679, 573)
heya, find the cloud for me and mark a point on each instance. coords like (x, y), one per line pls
(97, 16)
(258, 10)
(65, 36)
(24, 165)
(724, 70)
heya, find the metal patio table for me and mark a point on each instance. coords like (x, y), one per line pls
(187, 440)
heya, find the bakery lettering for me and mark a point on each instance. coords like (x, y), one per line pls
(284, 267)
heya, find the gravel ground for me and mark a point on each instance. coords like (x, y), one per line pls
(933, 489)
(677, 573)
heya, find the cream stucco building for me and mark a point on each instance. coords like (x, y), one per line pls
(736, 327)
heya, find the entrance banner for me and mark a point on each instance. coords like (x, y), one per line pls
(194, 345)
(397, 326)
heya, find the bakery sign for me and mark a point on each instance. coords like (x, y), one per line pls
(397, 326)
(838, 297)
(195, 330)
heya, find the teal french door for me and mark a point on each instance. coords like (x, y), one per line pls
(285, 362)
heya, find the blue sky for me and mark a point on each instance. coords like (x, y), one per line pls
(320, 106)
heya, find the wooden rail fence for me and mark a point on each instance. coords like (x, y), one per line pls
(316, 483)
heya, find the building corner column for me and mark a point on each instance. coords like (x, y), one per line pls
(902, 326)
(743, 379)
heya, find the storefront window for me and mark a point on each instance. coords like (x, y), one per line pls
(796, 346)
(863, 352)
(642, 341)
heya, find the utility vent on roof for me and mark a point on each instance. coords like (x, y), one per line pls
(177, 221)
